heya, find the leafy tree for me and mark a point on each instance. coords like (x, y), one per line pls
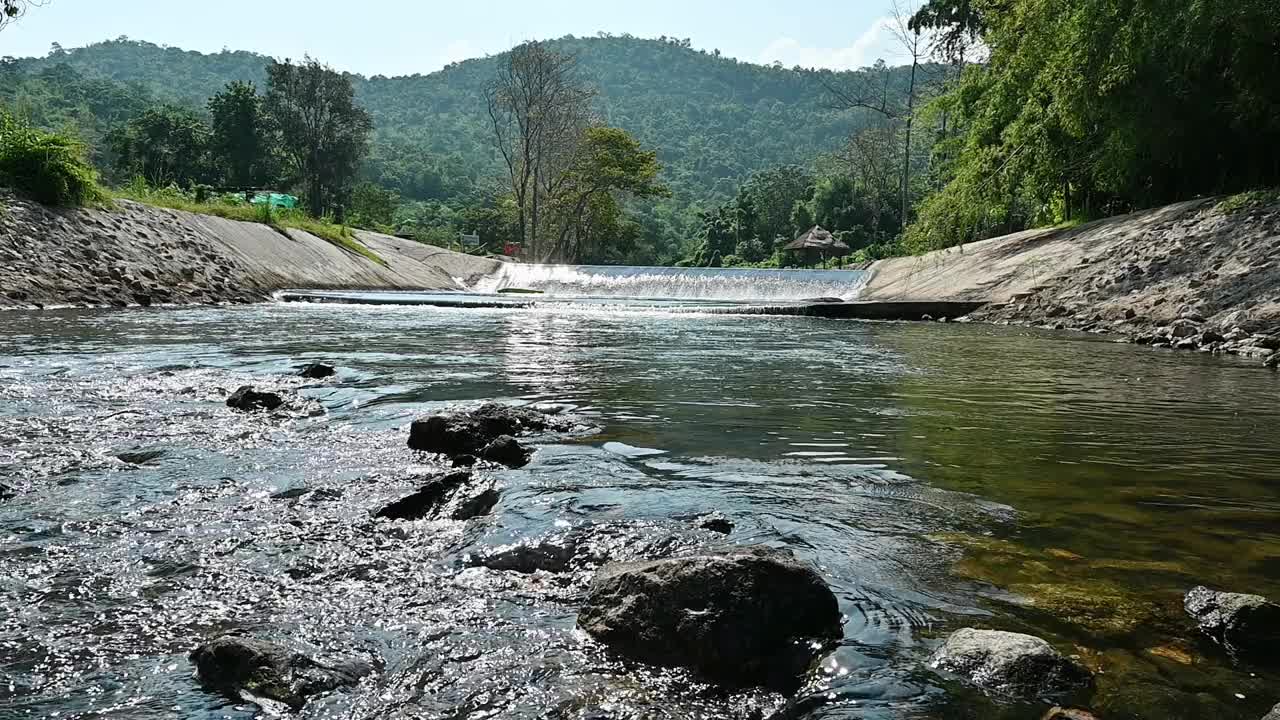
(372, 207)
(324, 133)
(240, 142)
(165, 145)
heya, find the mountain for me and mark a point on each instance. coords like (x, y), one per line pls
(713, 120)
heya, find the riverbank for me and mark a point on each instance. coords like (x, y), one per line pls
(135, 254)
(1201, 275)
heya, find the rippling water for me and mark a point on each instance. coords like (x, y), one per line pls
(731, 284)
(940, 476)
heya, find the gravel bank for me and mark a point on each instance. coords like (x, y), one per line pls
(135, 254)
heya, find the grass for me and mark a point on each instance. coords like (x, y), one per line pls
(280, 220)
(1249, 200)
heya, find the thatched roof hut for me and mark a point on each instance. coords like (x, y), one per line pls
(818, 243)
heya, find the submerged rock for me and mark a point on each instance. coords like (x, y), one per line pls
(477, 505)
(427, 499)
(7, 493)
(139, 457)
(506, 450)
(469, 432)
(752, 617)
(246, 399)
(256, 670)
(317, 371)
(1246, 624)
(554, 555)
(716, 523)
(1009, 663)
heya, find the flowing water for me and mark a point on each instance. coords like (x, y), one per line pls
(939, 476)
(723, 284)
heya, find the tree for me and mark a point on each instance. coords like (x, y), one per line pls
(538, 111)
(372, 207)
(165, 145)
(240, 143)
(324, 133)
(607, 162)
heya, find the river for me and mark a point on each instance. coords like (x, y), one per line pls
(940, 476)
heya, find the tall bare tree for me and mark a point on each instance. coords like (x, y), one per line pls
(870, 88)
(539, 110)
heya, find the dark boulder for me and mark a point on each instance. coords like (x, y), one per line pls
(460, 461)
(506, 450)
(554, 555)
(469, 432)
(1009, 663)
(1272, 361)
(716, 523)
(291, 493)
(752, 617)
(246, 399)
(249, 669)
(139, 457)
(477, 505)
(427, 499)
(1244, 624)
(317, 371)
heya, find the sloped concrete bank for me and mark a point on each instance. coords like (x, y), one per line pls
(1191, 276)
(134, 254)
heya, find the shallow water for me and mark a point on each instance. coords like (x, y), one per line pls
(940, 476)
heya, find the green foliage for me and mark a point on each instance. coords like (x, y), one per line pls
(51, 168)
(240, 140)
(373, 207)
(165, 144)
(1103, 106)
(1249, 201)
(324, 133)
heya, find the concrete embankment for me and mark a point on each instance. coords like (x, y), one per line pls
(1195, 275)
(133, 254)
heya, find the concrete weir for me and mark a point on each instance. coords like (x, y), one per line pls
(836, 310)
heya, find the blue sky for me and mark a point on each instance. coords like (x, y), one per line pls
(397, 37)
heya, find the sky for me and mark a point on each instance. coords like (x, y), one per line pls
(403, 37)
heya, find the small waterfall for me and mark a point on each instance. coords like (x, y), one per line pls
(673, 283)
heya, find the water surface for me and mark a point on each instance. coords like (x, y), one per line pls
(939, 476)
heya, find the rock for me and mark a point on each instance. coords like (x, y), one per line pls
(1274, 714)
(1183, 329)
(751, 617)
(507, 451)
(427, 499)
(464, 461)
(291, 493)
(715, 522)
(1186, 344)
(1245, 624)
(469, 432)
(1058, 713)
(552, 555)
(1272, 362)
(246, 399)
(255, 670)
(1211, 336)
(1009, 663)
(139, 457)
(7, 493)
(317, 371)
(476, 506)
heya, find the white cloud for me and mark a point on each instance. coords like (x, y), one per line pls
(876, 42)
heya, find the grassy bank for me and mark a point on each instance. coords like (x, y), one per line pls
(276, 218)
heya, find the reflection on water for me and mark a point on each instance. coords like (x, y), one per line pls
(939, 475)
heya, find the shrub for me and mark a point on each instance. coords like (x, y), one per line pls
(51, 168)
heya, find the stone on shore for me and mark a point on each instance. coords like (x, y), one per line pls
(246, 399)
(1009, 663)
(317, 371)
(1244, 624)
(753, 617)
(427, 499)
(471, 431)
(1059, 713)
(255, 670)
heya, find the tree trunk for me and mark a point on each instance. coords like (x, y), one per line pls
(906, 157)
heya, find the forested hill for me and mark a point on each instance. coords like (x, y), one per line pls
(713, 120)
